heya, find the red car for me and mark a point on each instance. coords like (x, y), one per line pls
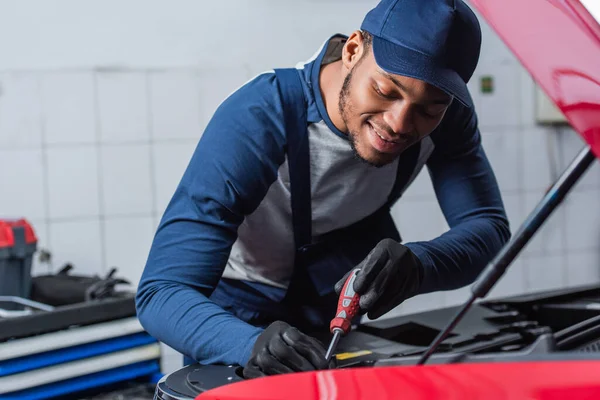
(539, 346)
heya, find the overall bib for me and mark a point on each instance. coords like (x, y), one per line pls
(310, 301)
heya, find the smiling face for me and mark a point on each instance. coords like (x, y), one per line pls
(384, 114)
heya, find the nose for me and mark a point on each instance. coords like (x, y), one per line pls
(400, 118)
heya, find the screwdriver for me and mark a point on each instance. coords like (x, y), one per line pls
(347, 309)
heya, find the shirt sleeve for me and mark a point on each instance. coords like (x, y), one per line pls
(468, 194)
(230, 172)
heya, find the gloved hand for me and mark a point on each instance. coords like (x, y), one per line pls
(390, 274)
(281, 349)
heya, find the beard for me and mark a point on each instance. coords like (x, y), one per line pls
(345, 107)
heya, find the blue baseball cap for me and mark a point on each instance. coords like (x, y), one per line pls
(436, 41)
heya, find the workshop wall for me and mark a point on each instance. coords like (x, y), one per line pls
(102, 104)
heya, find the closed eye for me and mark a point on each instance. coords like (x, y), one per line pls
(430, 113)
(381, 94)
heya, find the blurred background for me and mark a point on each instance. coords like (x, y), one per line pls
(102, 104)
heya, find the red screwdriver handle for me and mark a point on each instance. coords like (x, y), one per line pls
(348, 305)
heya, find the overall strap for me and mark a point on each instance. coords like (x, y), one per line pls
(294, 107)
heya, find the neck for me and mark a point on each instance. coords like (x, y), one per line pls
(330, 83)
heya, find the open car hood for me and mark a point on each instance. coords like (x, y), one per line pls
(558, 42)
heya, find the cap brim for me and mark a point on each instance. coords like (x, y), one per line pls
(400, 60)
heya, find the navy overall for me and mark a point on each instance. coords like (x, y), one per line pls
(310, 301)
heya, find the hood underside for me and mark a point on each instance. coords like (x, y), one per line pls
(558, 42)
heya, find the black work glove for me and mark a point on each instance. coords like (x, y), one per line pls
(281, 349)
(390, 274)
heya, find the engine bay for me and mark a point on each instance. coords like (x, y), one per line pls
(551, 325)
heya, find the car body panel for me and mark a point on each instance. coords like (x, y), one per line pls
(494, 381)
(558, 42)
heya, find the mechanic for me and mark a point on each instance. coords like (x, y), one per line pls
(291, 184)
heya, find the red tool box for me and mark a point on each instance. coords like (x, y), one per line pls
(18, 243)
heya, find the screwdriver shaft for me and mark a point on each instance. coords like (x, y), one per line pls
(334, 341)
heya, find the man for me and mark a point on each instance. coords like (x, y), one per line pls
(291, 184)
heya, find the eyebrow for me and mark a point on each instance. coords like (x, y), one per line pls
(444, 101)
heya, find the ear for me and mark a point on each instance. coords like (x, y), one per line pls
(353, 49)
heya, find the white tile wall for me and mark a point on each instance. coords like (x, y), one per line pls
(550, 238)
(215, 86)
(421, 188)
(527, 97)
(170, 162)
(79, 243)
(545, 272)
(514, 281)
(73, 181)
(20, 111)
(583, 268)
(515, 209)
(419, 219)
(505, 153)
(140, 125)
(69, 108)
(570, 144)
(126, 180)
(171, 360)
(128, 241)
(501, 108)
(22, 184)
(175, 105)
(583, 214)
(123, 106)
(541, 167)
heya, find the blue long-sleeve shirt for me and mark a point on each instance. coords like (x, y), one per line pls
(230, 214)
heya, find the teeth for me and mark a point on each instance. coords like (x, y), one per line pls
(384, 139)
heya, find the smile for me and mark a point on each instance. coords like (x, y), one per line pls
(381, 137)
(381, 144)
(384, 139)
